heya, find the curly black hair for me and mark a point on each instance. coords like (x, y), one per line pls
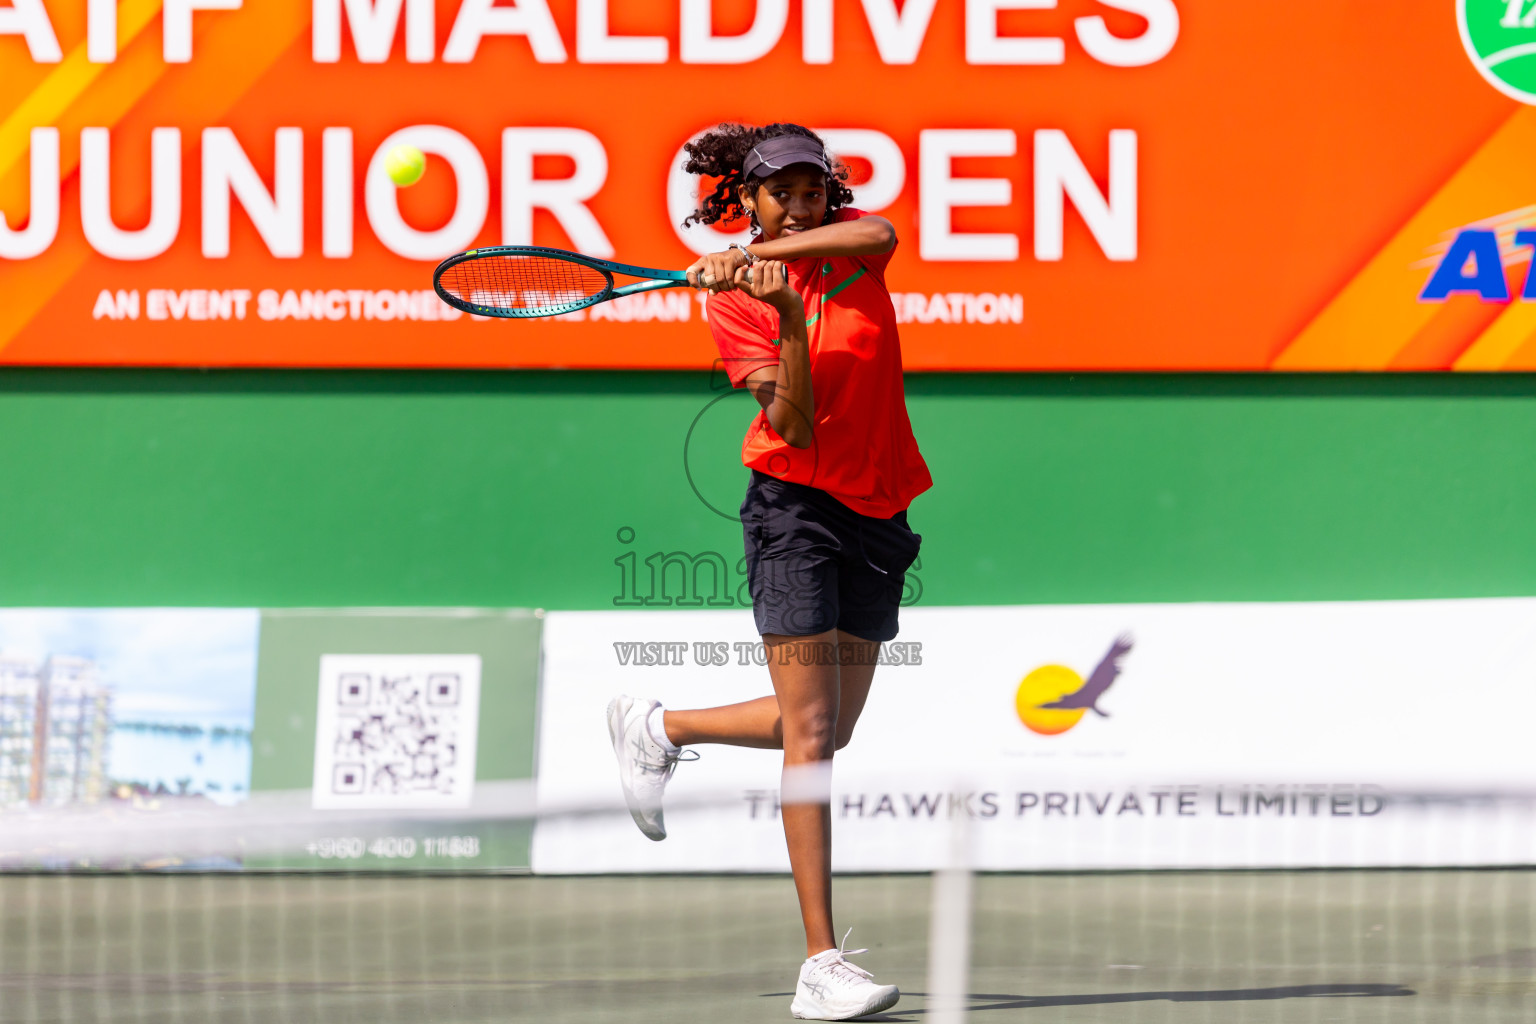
(719, 153)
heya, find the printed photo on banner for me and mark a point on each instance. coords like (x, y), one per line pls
(102, 707)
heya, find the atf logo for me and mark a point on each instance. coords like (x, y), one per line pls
(1053, 698)
(1475, 263)
(1500, 37)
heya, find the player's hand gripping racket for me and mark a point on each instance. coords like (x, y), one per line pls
(531, 280)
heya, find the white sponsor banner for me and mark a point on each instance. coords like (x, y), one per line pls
(1108, 736)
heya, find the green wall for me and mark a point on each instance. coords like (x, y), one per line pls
(288, 662)
(283, 753)
(512, 488)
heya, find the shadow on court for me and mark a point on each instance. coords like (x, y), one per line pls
(990, 1001)
(980, 1001)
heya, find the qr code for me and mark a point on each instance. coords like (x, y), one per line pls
(396, 730)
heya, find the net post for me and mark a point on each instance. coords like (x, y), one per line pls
(949, 937)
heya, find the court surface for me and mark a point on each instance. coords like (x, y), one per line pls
(1247, 947)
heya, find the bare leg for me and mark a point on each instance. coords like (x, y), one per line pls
(815, 706)
(856, 673)
(753, 723)
(808, 702)
(756, 723)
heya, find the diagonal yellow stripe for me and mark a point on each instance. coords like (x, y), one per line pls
(1378, 313)
(237, 51)
(1514, 327)
(53, 96)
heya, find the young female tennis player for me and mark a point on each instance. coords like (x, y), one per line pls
(812, 333)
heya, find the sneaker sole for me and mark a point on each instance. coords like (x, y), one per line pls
(875, 1006)
(616, 714)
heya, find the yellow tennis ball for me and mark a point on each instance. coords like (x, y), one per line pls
(404, 165)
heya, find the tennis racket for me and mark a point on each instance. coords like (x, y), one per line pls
(523, 281)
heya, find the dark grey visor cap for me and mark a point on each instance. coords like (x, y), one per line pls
(780, 152)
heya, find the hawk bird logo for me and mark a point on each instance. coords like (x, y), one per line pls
(1052, 699)
(1102, 678)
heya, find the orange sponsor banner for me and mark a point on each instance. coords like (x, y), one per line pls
(1076, 184)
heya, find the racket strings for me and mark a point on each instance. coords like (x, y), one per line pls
(524, 285)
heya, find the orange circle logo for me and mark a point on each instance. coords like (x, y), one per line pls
(1045, 685)
(1054, 698)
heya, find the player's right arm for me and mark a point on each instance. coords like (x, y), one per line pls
(784, 390)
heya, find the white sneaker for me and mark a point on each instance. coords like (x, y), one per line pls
(645, 767)
(831, 988)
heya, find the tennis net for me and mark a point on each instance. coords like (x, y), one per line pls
(228, 933)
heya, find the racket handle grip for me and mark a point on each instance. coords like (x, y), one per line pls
(708, 280)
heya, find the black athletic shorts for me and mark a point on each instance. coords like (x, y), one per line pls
(814, 564)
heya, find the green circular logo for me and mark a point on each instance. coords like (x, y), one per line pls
(1500, 37)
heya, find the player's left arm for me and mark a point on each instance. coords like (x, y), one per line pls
(867, 236)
